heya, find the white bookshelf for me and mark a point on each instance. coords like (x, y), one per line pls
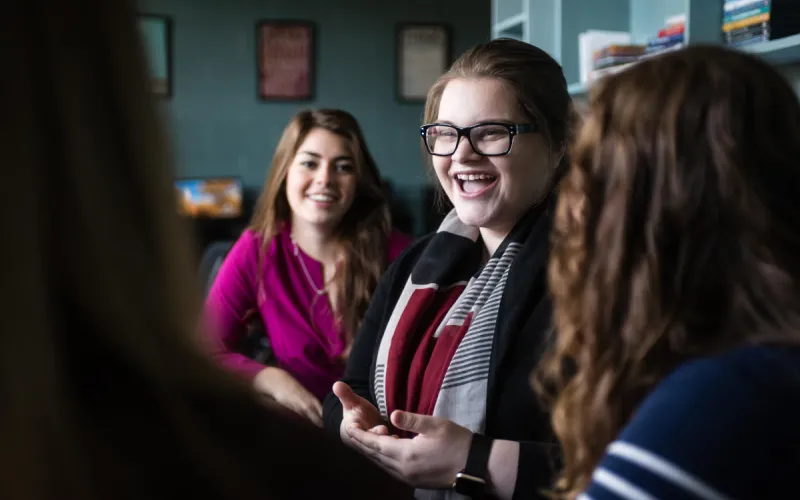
(537, 22)
(554, 25)
(513, 23)
(510, 19)
(781, 51)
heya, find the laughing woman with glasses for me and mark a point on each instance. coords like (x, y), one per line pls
(437, 388)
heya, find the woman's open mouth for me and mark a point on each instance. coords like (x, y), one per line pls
(475, 185)
(323, 199)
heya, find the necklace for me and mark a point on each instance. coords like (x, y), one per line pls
(296, 251)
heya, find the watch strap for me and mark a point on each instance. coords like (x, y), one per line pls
(472, 480)
(478, 457)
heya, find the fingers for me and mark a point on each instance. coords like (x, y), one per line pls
(357, 411)
(314, 417)
(307, 407)
(414, 422)
(308, 412)
(351, 420)
(380, 430)
(316, 406)
(316, 412)
(346, 395)
(386, 447)
(384, 463)
(312, 409)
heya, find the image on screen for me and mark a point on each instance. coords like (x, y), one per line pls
(210, 198)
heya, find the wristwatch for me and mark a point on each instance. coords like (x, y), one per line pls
(471, 481)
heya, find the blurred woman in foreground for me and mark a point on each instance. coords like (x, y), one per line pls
(105, 393)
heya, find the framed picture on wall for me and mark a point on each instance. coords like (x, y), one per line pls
(157, 34)
(286, 59)
(423, 54)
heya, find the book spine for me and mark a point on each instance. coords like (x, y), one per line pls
(744, 14)
(732, 5)
(745, 33)
(761, 18)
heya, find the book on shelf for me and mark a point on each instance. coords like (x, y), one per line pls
(613, 51)
(747, 22)
(747, 36)
(758, 19)
(755, 30)
(613, 55)
(750, 10)
(737, 5)
(590, 42)
(660, 43)
(610, 70)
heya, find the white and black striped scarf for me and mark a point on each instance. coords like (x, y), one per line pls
(450, 266)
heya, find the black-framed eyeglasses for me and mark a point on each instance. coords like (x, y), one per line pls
(486, 139)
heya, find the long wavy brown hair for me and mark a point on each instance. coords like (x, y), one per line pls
(363, 233)
(677, 235)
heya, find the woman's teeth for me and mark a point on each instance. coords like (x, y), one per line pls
(475, 177)
(472, 183)
(321, 197)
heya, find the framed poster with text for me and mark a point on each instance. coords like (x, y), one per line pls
(423, 55)
(286, 59)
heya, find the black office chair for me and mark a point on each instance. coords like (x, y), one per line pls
(211, 261)
(255, 344)
(434, 209)
(402, 219)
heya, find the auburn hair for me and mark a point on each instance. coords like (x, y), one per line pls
(677, 235)
(362, 234)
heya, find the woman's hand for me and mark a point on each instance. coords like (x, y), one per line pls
(287, 391)
(430, 460)
(357, 413)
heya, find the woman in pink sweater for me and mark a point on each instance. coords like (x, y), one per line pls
(320, 239)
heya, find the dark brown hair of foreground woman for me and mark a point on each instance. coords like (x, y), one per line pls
(677, 235)
(104, 393)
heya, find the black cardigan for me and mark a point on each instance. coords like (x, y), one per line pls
(513, 411)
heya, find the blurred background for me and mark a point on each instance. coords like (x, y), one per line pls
(231, 73)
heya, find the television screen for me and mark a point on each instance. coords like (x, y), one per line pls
(210, 197)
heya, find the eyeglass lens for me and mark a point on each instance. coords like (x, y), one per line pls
(486, 139)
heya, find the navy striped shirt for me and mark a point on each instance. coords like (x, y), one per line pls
(717, 428)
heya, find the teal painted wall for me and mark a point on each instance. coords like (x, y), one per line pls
(648, 16)
(220, 127)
